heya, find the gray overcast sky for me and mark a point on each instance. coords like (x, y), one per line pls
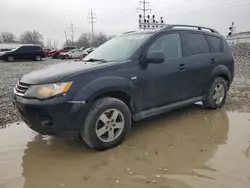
(52, 17)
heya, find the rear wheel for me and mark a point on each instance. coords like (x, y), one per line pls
(10, 58)
(38, 58)
(107, 124)
(217, 94)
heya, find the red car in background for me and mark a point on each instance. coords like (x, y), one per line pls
(47, 51)
(56, 53)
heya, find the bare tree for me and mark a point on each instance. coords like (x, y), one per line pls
(7, 37)
(69, 43)
(87, 40)
(99, 39)
(31, 37)
(84, 40)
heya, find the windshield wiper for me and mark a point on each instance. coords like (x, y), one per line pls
(94, 60)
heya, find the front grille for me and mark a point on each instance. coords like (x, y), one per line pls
(21, 87)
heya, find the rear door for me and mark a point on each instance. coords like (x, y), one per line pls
(216, 44)
(199, 62)
(76, 54)
(37, 50)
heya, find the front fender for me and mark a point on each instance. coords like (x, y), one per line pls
(102, 85)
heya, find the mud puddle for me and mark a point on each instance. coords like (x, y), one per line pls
(188, 148)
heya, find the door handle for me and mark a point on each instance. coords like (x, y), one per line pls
(213, 61)
(182, 67)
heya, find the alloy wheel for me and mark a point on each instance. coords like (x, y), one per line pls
(110, 125)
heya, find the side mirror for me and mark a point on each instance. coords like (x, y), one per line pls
(155, 57)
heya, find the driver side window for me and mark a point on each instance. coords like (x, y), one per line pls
(169, 45)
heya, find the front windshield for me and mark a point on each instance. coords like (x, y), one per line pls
(119, 48)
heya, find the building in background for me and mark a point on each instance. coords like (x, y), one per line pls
(238, 38)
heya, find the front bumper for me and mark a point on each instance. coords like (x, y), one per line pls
(52, 117)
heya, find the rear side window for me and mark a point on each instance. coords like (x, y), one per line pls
(215, 43)
(37, 48)
(169, 44)
(24, 48)
(196, 44)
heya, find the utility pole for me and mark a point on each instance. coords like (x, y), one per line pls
(66, 37)
(72, 30)
(92, 21)
(144, 10)
(232, 30)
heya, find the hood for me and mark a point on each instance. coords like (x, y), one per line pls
(52, 51)
(55, 73)
(63, 53)
(4, 52)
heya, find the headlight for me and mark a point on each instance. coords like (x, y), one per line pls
(48, 90)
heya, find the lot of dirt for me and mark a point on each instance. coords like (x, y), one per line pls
(238, 98)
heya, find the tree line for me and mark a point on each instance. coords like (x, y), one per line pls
(28, 37)
(89, 40)
(34, 37)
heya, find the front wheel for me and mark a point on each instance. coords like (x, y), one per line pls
(10, 58)
(107, 124)
(217, 94)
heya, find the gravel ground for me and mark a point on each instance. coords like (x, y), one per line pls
(238, 97)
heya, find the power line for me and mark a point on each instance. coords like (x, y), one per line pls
(144, 10)
(92, 20)
(217, 6)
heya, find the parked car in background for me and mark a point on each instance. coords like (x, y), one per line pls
(72, 54)
(88, 51)
(24, 52)
(130, 77)
(47, 51)
(56, 53)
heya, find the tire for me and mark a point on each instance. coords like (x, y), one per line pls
(38, 58)
(215, 99)
(10, 58)
(106, 107)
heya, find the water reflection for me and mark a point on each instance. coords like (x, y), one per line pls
(174, 143)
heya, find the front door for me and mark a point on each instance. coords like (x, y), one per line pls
(163, 84)
(23, 53)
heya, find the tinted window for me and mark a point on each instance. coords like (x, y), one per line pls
(169, 44)
(216, 43)
(36, 48)
(24, 48)
(196, 44)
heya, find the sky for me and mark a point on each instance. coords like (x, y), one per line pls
(52, 17)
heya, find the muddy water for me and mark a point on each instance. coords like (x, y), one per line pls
(188, 148)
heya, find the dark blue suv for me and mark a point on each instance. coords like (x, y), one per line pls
(130, 77)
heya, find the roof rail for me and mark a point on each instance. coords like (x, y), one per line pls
(191, 26)
(129, 32)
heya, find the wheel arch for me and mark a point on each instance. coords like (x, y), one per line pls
(115, 93)
(223, 72)
(116, 87)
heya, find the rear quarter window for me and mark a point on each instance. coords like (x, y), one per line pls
(216, 44)
(196, 44)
